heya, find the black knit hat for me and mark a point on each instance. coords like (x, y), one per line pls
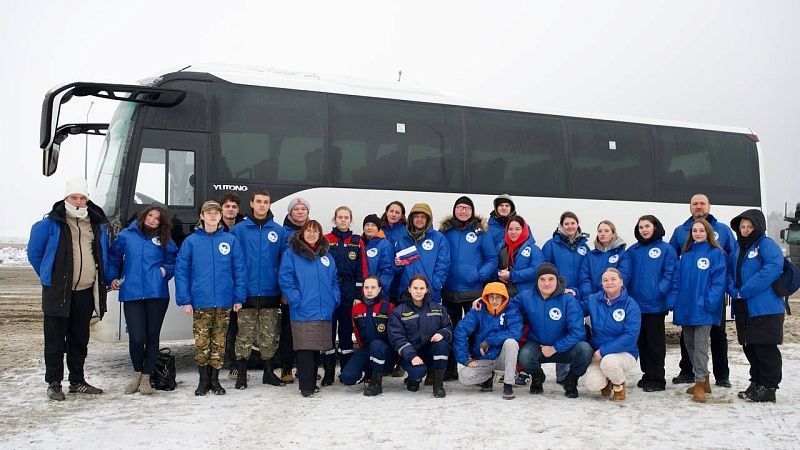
(464, 200)
(374, 219)
(546, 269)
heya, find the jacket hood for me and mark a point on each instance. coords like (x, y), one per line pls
(616, 243)
(559, 233)
(477, 224)
(301, 248)
(658, 232)
(495, 288)
(753, 215)
(419, 208)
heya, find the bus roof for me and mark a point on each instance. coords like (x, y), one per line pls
(337, 84)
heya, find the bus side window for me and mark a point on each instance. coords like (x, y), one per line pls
(181, 178)
(151, 177)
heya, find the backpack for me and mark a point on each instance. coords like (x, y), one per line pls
(789, 281)
(163, 377)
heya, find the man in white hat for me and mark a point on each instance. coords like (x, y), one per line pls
(68, 249)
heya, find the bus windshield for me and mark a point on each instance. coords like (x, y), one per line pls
(106, 185)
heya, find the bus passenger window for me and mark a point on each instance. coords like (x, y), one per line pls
(150, 179)
(181, 178)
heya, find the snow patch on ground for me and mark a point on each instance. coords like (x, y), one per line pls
(13, 257)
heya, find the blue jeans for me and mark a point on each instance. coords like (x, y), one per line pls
(578, 357)
(377, 357)
(433, 354)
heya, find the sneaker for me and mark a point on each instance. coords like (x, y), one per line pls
(683, 378)
(234, 373)
(522, 379)
(723, 383)
(486, 386)
(54, 392)
(508, 391)
(83, 387)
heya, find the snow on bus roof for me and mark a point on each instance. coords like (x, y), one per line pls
(339, 84)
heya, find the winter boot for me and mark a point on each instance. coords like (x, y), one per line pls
(763, 394)
(329, 367)
(429, 378)
(216, 388)
(398, 371)
(412, 386)
(438, 384)
(286, 376)
(202, 386)
(144, 387)
(537, 380)
(522, 379)
(133, 385)
(375, 386)
(241, 374)
(54, 391)
(508, 391)
(571, 385)
(706, 387)
(747, 393)
(486, 386)
(606, 391)
(619, 392)
(699, 394)
(269, 376)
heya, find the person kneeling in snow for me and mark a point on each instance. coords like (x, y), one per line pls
(496, 328)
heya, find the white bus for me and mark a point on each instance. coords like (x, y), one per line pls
(191, 135)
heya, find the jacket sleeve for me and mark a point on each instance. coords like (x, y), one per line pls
(337, 294)
(239, 273)
(385, 265)
(673, 241)
(397, 336)
(463, 331)
(576, 332)
(512, 330)
(674, 289)
(729, 241)
(730, 278)
(625, 267)
(771, 268)
(547, 252)
(442, 267)
(670, 269)
(37, 244)
(585, 276)
(353, 313)
(528, 274)
(104, 245)
(115, 257)
(287, 278)
(630, 332)
(183, 274)
(445, 325)
(716, 289)
(170, 254)
(488, 269)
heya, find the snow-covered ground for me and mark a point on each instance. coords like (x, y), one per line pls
(13, 257)
(340, 417)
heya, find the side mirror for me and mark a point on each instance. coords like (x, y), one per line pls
(783, 235)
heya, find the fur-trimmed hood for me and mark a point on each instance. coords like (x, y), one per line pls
(479, 224)
(301, 248)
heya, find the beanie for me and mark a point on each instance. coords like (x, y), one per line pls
(464, 200)
(76, 185)
(374, 219)
(298, 201)
(546, 269)
(504, 198)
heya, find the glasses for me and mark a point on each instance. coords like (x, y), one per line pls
(463, 208)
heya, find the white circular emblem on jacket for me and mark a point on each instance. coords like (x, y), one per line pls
(272, 236)
(618, 315)
(224, 248)
(427, 245)
(471, 237)
(753, 253)
(703, 263)
(526, 252)
(654, 253)
(555, 314)
(373, 252)
(155, 241)
(716, 236)
(582, 251)
(325, 261)
(613, 259)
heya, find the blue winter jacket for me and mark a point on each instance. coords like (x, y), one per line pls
(137, 261)
(379, 254)
(698, 286)
(650, 277)
(433, 262)
(615, 328)
(527, 259)
(596, 262)
(411, 327)
(557, 321)
(473, 258)
(567, 260)
(722, 233)
(210, 271)
(309, 281)
(262, 248)
(761, 266)
(393, 234)
(485, 327)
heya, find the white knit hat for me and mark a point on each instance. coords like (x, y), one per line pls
(76, 185)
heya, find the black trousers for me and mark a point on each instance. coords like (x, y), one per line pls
(307, 364)
(765, 364)
(68, 335)
(652, 348)
(286, 353)
(719, 352)
(456, 311)
(230, 339)
(144, 319)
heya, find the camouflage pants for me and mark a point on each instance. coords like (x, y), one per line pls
(259, 326)
(210, 326)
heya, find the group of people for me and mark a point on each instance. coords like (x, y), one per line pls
(408, 291)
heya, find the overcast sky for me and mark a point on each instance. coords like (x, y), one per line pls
(723, 62)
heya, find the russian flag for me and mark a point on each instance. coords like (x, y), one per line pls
(408, 255)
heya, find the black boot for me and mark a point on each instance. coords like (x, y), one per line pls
(216, 388)
(571, 385)
(241, 374)
(747, 392)
(438, 384)
(537, 380)
(202, 386)
(486, 386)
(375, 386)
(412, 386)
(329, 367)
(762, 394)
(429, 378)
(344, 359)
(269, 376)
